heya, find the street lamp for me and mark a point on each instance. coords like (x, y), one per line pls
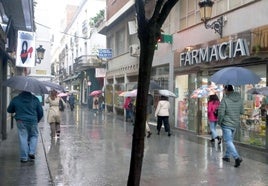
(40, 53)
(205, 12)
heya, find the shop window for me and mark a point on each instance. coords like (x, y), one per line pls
(183, 118)
(118, 100)
(252, 129)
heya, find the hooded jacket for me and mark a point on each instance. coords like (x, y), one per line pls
(230, 109)
(26, 107)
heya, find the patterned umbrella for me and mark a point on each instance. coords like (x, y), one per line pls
(132, 93)
(206, 90)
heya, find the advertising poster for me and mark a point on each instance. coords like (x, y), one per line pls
(25, 49)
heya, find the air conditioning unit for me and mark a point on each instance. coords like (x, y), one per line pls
(134, 50)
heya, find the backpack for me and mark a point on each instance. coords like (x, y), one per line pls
(61, 106)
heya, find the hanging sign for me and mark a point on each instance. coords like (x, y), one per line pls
(25, 49)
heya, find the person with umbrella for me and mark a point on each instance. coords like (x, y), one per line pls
(28, 112)
(95, 105)
(54, 116)
(128, 106)
(229, 111)
(162, 114)
(213, 104)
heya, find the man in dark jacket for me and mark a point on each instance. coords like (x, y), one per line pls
(230, 109)
(28, 112)
(71, 101)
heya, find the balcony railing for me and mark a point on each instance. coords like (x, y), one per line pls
(88, 61)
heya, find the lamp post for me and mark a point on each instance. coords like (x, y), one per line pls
(40, 53)
(205, 12)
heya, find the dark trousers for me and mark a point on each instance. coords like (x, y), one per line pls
(160, 120)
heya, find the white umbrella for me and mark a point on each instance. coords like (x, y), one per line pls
(166, 93)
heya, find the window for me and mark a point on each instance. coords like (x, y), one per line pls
(120, 41)
(189, 10)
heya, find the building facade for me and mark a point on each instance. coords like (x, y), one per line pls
(176, 66)
(11, 20)
(76, 64)
(120, 28)
(244, 43)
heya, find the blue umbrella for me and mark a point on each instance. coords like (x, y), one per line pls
(235, 76)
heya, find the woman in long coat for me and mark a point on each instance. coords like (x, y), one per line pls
(54, 115)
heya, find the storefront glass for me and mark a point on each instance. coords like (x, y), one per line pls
(183, 104)
(252, 129)
(109, 97)
(191, 113)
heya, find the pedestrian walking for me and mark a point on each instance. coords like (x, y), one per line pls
(71, 101)
(162, 114)
(95, 105)
(101, 103)
(213, 104)
(230, 109)
(28, 112)
(150, 103)
(129, 107)
(54, 115)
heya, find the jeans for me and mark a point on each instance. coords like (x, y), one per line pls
(212, 127)
(228, 136)
(129, 115)
(28, 137)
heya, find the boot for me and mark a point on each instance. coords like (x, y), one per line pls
(238, 162)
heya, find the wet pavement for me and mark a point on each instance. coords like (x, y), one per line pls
(95, 151)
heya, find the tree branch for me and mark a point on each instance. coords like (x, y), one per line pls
(166, 10)
(157, 9)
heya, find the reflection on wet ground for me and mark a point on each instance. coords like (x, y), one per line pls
(95, 151)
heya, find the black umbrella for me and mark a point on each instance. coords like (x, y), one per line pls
(153, 86)
(54, 86)
(26, 83)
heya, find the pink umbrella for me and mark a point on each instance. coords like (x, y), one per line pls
(95, 92)
(62, 94)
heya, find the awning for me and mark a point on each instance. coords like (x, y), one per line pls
(72, 77)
